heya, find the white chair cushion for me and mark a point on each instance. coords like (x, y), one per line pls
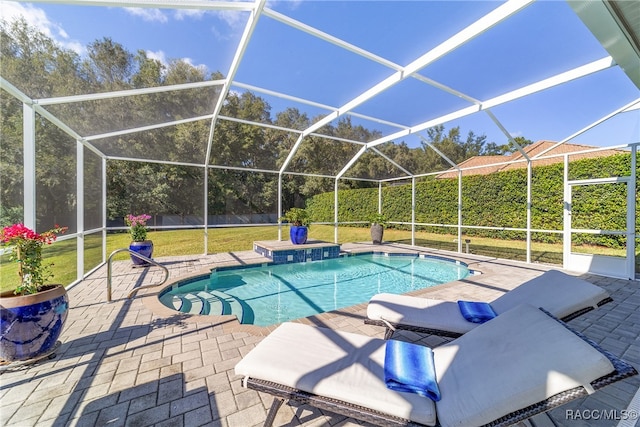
(557, 292)
(519, 358)
(340, 365)
(416, 311)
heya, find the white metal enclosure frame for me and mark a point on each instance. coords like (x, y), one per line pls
(597, 15)
(607, 265)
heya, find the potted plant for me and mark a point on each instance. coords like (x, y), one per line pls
(378, 223)
(300, 222)
(139, 243)
(32, 315)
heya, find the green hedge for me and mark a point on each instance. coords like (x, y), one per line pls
(499, 200)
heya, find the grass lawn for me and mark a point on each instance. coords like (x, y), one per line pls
(185, 242)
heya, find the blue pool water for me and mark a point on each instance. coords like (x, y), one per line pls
(276, 293)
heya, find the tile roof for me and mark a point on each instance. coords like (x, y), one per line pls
(484, 165)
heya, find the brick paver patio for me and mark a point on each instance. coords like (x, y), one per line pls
(134, 363)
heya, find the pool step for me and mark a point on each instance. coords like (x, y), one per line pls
(187, 303)
(209, 302)
(230, 304)
(212, 304)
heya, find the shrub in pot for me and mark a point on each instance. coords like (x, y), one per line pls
(139, 243)
(33, 315)
(299, 221)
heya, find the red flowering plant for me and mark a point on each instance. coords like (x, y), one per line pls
(137, 226)
(27, 252)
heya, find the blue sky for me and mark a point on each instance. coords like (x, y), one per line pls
(544, 39)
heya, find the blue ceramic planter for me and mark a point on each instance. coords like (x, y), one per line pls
(298, 234)
(144, 248)
(30, 325)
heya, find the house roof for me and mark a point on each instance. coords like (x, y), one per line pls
(484, 165)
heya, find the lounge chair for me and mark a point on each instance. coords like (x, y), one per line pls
(519, 364)
(565, 297)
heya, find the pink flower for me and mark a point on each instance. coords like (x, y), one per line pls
(138, 226)
(27, 252)
(134, 221)
(17, 233)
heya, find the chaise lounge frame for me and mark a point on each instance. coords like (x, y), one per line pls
(284, 393)
(391, 327)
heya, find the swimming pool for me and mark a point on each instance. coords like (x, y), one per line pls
(272, 294)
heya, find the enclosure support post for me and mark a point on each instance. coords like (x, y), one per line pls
(529, 173)
(335, 212)
(631, 214)
(80, 210)
(29, 162)
(379, 197)
(279, 206)
(459, 211)
(104, 209)
(566, 226)
(206, 210)
(413, 211)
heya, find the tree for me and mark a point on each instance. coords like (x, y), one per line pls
(378, 166)
(243, 154)
(52, 71)
(109, 65)
(150, 71)
(241, 145)
(494, 149)
(136, 189)
(451, 145)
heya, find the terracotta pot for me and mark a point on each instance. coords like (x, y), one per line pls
(30, 325)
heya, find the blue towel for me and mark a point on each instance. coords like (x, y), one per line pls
(409, 368)
(476, 312)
